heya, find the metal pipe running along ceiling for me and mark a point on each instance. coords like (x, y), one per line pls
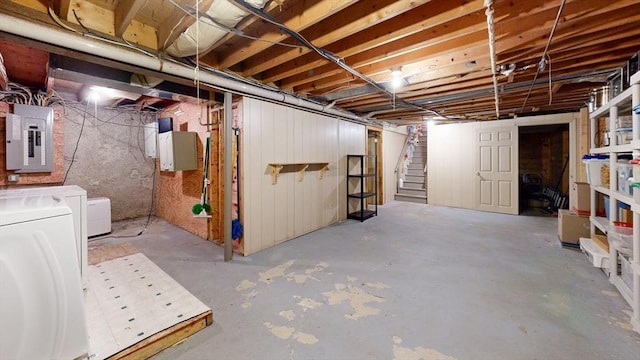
(217, 80)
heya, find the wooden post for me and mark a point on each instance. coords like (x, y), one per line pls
(228, 176)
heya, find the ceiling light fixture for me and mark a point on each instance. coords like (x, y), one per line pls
(507, 69)
(397, 79)
(396, 72)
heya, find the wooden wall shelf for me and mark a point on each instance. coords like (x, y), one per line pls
(300, 168)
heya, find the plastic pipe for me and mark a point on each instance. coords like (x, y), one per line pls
(67, 39)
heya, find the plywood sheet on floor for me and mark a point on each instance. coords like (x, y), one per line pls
(130, 299)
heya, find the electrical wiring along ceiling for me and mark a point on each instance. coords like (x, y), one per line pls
(341, 54)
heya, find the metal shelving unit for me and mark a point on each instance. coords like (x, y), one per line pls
(362, 172)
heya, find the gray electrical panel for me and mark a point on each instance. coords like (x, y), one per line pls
(29, 138)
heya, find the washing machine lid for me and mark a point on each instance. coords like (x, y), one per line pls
(19, 209)
(69, 190)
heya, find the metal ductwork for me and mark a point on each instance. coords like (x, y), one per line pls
(215, 80)
(199, 37)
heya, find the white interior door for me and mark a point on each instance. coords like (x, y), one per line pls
(497, 169)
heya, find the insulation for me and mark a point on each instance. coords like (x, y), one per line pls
(224, 13)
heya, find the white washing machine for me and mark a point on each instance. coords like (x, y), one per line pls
(42, 312)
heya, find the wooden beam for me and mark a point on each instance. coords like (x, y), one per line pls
(425, 59)
(367, 14)
(33, 4)
(575, 44)
(538, 29)
(298, 17)
(102, 20)
(62, 8)
(210, 56)
(419, 20)
(126, 10)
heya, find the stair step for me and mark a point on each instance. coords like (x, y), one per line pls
(414, 178)
(407, 191)
(413, 165)
(413, 185)
(411, 198)
(415, 172)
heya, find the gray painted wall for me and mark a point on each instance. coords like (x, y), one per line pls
(110, 161)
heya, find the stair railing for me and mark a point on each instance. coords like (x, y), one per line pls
(399, 162)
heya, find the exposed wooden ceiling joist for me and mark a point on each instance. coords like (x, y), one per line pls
(442, 47)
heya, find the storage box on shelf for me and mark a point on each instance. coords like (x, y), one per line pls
(581, 193)
(619, 119)
(593, 166)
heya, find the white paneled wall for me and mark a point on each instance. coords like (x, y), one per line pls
(272, 133)
(392, 143)
(452, 154)
(450, 165)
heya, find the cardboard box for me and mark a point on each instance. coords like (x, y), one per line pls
(572, 227)
(582, 196)
(625, 215)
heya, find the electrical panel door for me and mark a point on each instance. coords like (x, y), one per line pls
(29, 139)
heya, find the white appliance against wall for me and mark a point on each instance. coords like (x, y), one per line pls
(151, 139)
(98, 216)
(29, 139)
(177, 150)
(42, 312)
(76, 199)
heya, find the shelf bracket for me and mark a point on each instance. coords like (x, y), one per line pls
(301, 170)
(275, 170)
(322, 170)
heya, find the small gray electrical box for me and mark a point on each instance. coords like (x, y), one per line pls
(29, 137)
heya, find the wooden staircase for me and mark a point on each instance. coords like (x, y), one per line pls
(414, 187)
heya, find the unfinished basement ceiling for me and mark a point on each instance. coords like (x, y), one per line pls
(341, 53)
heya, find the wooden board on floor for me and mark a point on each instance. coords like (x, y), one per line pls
(134, 309)
(96, 255)
(166, 338)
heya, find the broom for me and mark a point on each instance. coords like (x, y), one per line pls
(202, 208)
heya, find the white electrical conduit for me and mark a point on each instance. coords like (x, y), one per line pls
(492, 50)
(59, 37)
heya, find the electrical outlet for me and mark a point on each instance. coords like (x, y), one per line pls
(13, 177)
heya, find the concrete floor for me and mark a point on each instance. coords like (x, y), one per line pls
(415, 282)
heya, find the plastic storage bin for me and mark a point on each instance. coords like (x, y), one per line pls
(593, 165)
(625, 270)
(624, 135)
(625, 171)
(596, 255)
(635, 181)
